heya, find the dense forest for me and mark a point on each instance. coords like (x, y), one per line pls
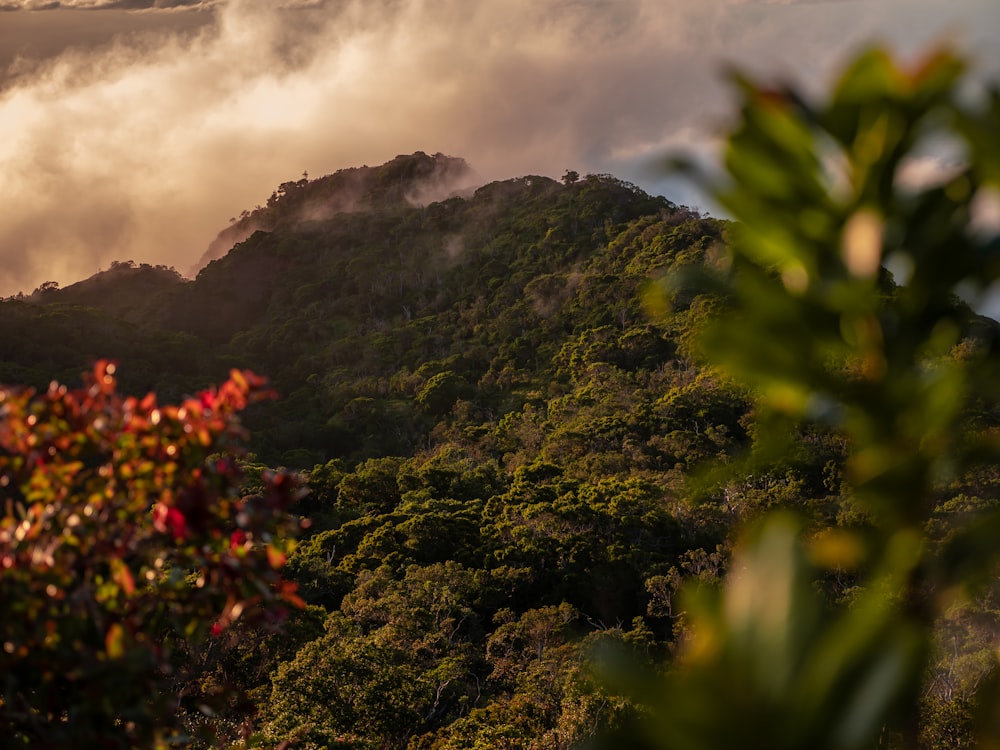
(493, 429)
(500, 403)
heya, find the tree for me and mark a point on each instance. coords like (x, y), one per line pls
(346, 690)
(123, 542)
(905, 373)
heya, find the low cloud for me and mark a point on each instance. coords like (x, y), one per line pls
(140, 146)
(107, 4)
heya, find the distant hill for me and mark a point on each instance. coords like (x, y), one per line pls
(124, 290)
(375, 309)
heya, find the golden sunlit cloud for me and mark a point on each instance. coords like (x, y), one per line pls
(142, 147)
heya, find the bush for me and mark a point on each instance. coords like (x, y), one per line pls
(124, 542)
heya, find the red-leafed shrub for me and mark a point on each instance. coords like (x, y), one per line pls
(123, 535)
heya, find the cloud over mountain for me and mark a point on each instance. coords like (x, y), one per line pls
(141, 144)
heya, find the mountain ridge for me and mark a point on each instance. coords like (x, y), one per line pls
(361, 309)
(412, 179)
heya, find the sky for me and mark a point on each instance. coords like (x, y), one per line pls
(134, 129)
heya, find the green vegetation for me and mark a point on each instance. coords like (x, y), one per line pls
(549, 510)
(905, 375)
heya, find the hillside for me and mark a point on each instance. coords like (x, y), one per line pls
(373, 323)
(502, 426)
(494, 430)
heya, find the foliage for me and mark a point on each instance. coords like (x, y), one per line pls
(124, 542)
(825, 337)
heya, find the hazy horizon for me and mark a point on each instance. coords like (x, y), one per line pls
(133, 129)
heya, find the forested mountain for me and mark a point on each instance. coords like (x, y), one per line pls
(500, 425)
(375, 321)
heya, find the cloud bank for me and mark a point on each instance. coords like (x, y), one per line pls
(142, 144)
(106, 4)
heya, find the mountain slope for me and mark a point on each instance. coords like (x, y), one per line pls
(375, 322)
(497, 437)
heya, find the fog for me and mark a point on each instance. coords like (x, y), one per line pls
(136, 135)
